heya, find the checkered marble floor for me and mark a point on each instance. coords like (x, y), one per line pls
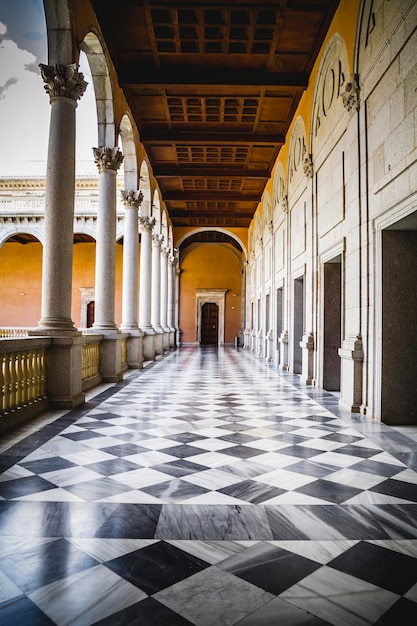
(208, 489)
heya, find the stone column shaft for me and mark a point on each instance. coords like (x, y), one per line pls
(146, 225)
(156, 282)
(164, 288)
(131, 201)
(65, 85)
(108, 161)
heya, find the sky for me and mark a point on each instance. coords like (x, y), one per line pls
(24, 103)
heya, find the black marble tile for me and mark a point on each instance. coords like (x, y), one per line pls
(303, 452)
(359, 451)
(398, 489)
(149, 612)
(237, 437)
(112, 466)
(82, 435)
(186, 437)
(21, 611)
(378, 468)
(125, 449)
(175, 490)
(329, 491)
(179, 468)
(403, 612)
(245, 469)
(156, 567)
(341, 438)
(45, 563)
(242, 452)
(130, 521)
(24, 486)
(269, 567)
(51, 464)
(376, 564)
(182, 452)
(251, 491)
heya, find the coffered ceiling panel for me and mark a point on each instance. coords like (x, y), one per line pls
(213, 87)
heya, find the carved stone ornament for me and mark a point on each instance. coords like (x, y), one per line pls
(63, 81)
(284, 203)
(132, 198)
(146, 223)
(308, 166)
(165, 252)
(107, 158)
(157, 240)
(350, 96)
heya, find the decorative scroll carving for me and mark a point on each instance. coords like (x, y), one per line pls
(64, 81)
(107, 158)
(308, 165)
(146, 223)
(284, 203)
(132, 198)
(351, 95)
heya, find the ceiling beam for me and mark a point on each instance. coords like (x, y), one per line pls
(209, 137)
(207, 171)
(137, 78)
(210, 196)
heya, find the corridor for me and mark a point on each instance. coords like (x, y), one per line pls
(208, 489)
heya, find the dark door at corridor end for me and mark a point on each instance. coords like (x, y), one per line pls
(209, 324)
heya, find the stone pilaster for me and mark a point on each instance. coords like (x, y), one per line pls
(131, 201)
(307, 346)
(351, 355)
(146, 225)
(157, 241)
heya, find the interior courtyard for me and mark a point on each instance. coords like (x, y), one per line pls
(208, 409)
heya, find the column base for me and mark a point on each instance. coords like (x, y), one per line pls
(351, 354)
(307, 346)
(111, 357)
(148, 344)
(134, 345)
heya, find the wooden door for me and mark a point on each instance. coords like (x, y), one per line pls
(210, 324)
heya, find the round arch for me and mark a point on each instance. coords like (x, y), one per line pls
(182, 239)
(130, 166)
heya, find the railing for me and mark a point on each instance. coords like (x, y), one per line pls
(90, 368)
(13, 331)
(22, 375)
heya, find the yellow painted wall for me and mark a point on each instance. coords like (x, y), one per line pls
(210, 266)
(21, 280)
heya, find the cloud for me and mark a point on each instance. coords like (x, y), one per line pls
(3, 88)
(3, 29)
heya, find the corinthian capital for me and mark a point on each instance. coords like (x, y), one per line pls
(63, 80)
(351, 95)
(146, 223)
(308, 166)
(132, 198)
(157, 240)
(107, 158)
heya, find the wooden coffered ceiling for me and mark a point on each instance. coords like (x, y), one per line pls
(213, 87)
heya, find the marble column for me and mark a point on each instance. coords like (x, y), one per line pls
(156, 293)
(177, 302)
(146, 225)
(64, 85)
(164, 297)
(130, 284)
(108, 161)
(171, 300)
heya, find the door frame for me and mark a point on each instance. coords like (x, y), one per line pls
(217, 296)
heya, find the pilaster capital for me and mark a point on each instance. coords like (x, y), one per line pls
(308, 165)
(63, 81)
(173, 261)
(146, 224)
(157, 240)
(107, 158)
(165, 252)
(284, 203)
(350, 96)
(131, 198)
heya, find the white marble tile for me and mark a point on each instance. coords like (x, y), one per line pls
(320, 551)
(408, 476)
(212, 551)
(213, 459)
(292, 497)
(142, 477)
(355, 478)
(214, 497)
(212, 479)
(213, 444)
(412, 593)
(16, 471)
(276, 460)
(153, 457)
(373, 497)
(8, 589)
(87, 457)
(51, 495)
(321, 444)
(340, 599)
(386, 457)
(135, 496)
(285, 479)
(86, 597)
(339, 460)
(404, 546)
(213, 597)
(71, 476)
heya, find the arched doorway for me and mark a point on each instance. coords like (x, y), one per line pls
(209, 324)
